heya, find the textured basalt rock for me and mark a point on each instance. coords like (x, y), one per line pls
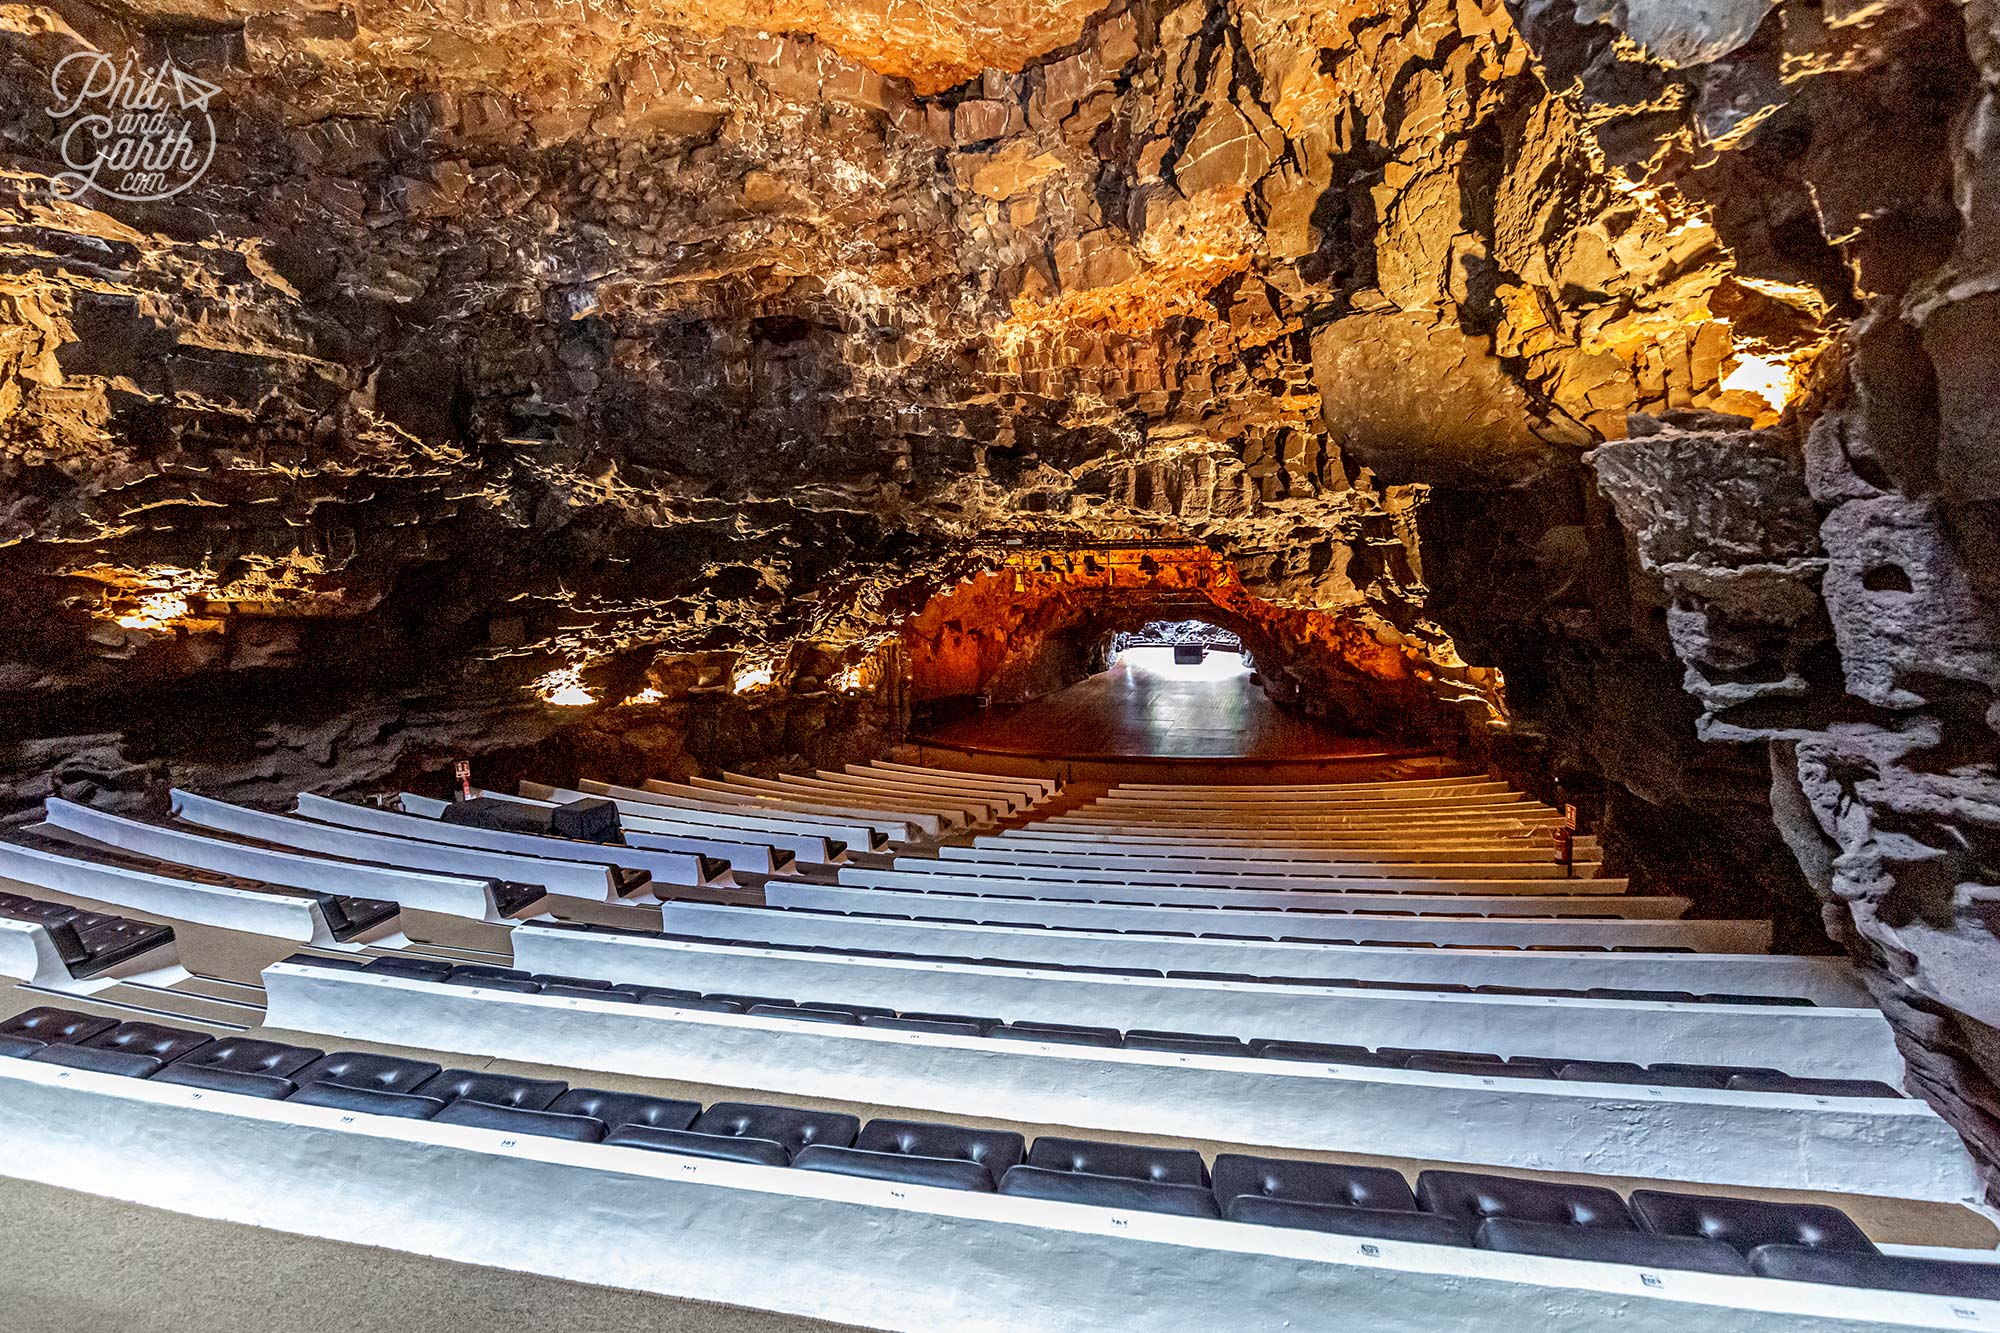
(722, 365)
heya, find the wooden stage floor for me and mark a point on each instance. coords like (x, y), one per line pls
(1145, 707)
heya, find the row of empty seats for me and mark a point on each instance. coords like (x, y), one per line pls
(87, 943)
(1654, 1228)
(1651, 996)
(1481, 1064)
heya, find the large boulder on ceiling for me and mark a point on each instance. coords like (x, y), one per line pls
(1415, 401)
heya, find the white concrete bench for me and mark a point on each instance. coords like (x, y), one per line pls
(794, 787)
(679, 868)
(1824, 980)
(1531, 877)
(1336, 895)
(1815, 1041)
(282, 916)
(1707, 936)
(1883, 1146)
(996, 802)
(761, 858)
(444, 894)
(664, 820)
(570, 879)
(898, 827)
(1028, 845)
(1316, 788)
(1039, 787)
(650, 805)
(877, 1253)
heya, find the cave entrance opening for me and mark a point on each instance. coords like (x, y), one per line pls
(1179, 647)
(1062, 652)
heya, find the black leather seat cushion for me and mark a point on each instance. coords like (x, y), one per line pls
(1607, 1246)
(1380, 1223)
(1237, 1174)
(66, 940)
(1883, 1272)
(1109, 1191)
(369, 1100)
(619, 1109)
(271, 1087)
(1812, 1087)
(163, 1043)
(995, 1149)
(19, 1047)
(727, 1147)
(1444, 1064)
(111, 940)
(1186, 1043)
(50, 1025)
(357, 914)
(515, 1120)
(242, 1065)
(1470, 1196)
(794, 1129)
(518, 985)
(1748, 1223)
(132, 1064)
(339, 962)
(951, 1173)
(525, 1094)
(1612, 1071)
(359, 1069)
(1167, 1166)
(696, 1003)
(1063, 1034)
(611, 994)
(245, 1055)
(977, 1020)
(1321, 1053)
(926, 1025)
(580, 983)
(1405, 1054)
(1654, 996)
(1723, 1072)
(808, 1015)
(487, 969)
(420, 969)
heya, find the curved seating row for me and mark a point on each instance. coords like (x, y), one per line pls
(1667, 967)
(1312, 923)
(302, 916)
(1422, 897)
(569, 879)
(762, 857)
(1703, 1232)
(1484, 1064)
(527, 935)
(686, 869)
(1296, 1095)
(42, 941)
(833, 837)
(449, 895)
(768, 849)
(1109, 858)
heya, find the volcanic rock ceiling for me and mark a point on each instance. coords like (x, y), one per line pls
(1638, 354)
